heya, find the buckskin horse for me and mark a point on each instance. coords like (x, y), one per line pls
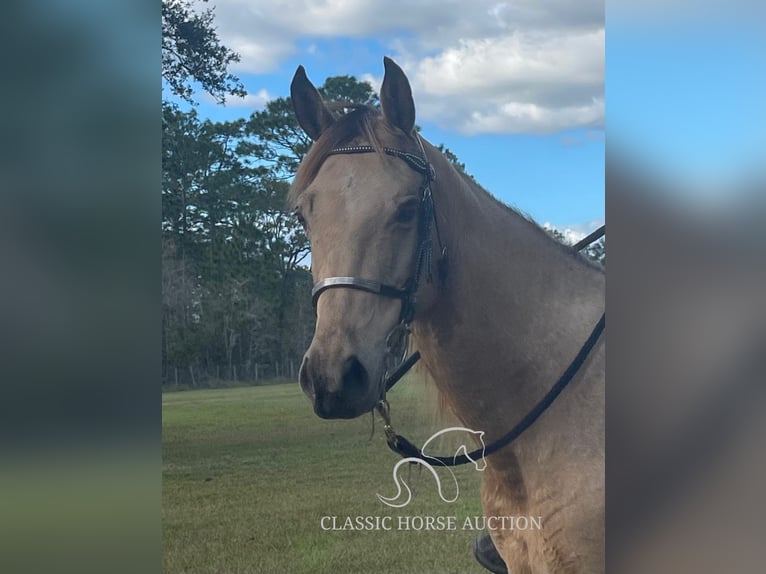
(402, 242)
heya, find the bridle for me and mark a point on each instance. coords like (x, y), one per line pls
(397, 341)
(397, 363)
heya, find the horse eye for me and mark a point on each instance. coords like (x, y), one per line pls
(407, 212)
(300, 219)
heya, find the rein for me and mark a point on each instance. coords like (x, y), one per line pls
(407, 449)
(396, 360)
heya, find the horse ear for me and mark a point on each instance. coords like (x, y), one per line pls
(313, 116)
(396, 98)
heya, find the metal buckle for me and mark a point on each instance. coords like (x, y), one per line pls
(384, 410)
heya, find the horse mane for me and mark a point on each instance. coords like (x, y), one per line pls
(568, 249)
(358, 123)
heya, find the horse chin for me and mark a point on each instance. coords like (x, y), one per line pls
(348, 402)
(338, 413)
(339, 409)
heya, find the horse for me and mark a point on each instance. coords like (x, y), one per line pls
(504, 314)
(428, 462)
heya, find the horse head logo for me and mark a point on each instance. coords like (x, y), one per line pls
(480, 464)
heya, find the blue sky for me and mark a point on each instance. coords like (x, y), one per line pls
(516, 91)
(686, 97)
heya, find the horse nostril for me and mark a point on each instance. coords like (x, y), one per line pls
(354, 377)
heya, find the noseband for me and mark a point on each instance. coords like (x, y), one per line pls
(397, 340)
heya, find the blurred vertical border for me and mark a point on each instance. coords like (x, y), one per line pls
(686, 286)
(80, 284)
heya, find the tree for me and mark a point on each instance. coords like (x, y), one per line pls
(596, 251)
(192, 52)
(231, 255)
(453, 159)
(347, 89)
(276, 139)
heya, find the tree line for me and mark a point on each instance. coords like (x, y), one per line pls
(235, 282)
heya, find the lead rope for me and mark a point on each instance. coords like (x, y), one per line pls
(407, 449)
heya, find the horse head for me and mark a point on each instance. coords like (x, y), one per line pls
(361, 213)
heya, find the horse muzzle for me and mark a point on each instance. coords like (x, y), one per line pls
(339, 389)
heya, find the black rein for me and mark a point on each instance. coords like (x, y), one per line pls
(407, 449)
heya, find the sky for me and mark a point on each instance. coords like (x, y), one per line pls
(514, 89)
(689, 104)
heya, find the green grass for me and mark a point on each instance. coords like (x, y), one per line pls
(249, 472)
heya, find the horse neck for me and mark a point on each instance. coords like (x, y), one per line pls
(515, 309)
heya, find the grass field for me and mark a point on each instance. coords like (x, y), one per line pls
(249, 472)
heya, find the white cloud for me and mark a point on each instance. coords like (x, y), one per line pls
(374, 81)
(524, 82)
(252, 101)
(481, 67)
